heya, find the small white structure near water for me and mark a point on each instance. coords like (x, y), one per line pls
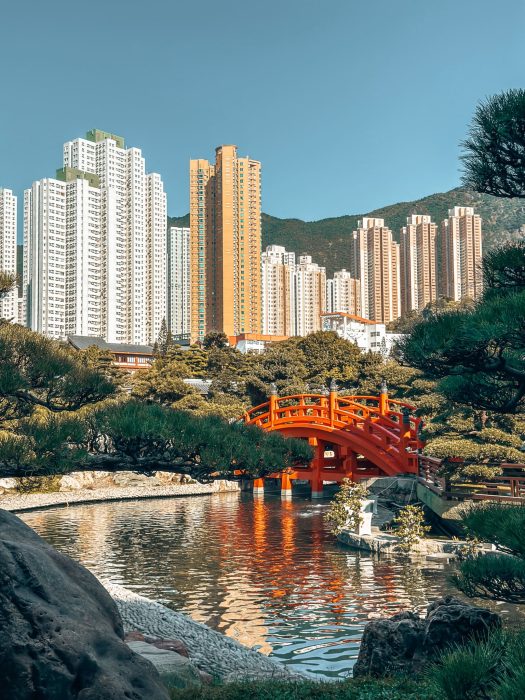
(368, 509)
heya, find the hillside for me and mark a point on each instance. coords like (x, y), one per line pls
(327, 240)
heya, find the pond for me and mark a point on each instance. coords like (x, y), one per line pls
(264, 571)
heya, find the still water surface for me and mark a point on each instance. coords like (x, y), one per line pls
(263, 571)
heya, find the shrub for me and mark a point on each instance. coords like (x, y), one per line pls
(359, 689)
(469, 671)
(483, 668)
(512, 688)
(38, 484)
(489, 576)
(345, 509)
(469, 549)
(500, 523)
(513, 683)
(410, 527)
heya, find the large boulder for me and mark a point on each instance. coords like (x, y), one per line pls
(61, 635)
(7, 486)
(406, 643)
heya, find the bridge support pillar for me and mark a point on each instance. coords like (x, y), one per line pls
(350, 465)
(286, 485)
(315, 481)
(317, 488)
(258, 487)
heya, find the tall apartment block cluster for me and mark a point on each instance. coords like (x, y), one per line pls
(95, 245)
(293, 293)
(99, 261)
(386, 279)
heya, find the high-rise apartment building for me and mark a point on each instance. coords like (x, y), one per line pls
(460, 254)
(9, 303)
(293, 293)
(310, 296)
(95, 245)
(343, 294)
(179, 288)
(374, 260)
(418, 263)
(225, 244)
(278, 291)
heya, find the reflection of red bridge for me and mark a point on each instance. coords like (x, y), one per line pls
(353, 436)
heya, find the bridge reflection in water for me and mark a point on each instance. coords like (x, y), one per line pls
(264, 571)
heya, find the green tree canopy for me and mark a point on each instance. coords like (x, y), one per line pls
(215, 339)
(478, 354)
(36, 371)
(164, 342)
(61, 411)
(7, 282)
(138, 436)
(494, 151)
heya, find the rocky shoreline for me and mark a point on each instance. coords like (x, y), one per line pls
(212, 652)
(18, 503)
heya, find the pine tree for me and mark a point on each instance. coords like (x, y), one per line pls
(162, 340)
(494, 152)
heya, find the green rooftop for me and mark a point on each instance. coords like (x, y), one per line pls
(68, 174)
(97, 135)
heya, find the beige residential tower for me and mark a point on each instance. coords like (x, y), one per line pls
(418, 263)
(460, 255)
(374, 260)
(225, 244)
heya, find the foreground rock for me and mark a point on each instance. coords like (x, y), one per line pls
(406, 643)
(60, 632)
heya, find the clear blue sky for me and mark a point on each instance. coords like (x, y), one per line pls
(349, 104)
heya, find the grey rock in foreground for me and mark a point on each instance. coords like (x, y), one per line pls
(406, 643)
(61, 636)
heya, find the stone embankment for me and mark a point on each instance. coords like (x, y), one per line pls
(380, 542)
(210, 651)
(383, 543)
(93, 487)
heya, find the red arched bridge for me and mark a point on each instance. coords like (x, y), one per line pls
(353, 436)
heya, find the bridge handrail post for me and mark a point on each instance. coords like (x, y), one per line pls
(332, 407)
(273, 403)
(383, 399)
(406, 434)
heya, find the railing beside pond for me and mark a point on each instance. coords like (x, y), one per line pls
(509, 486)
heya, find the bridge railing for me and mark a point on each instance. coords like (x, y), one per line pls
(334, 409)
(508, 486)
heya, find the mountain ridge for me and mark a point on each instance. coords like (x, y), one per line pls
(326, 240)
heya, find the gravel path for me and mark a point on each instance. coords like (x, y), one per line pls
(37, 501)
(211, 651)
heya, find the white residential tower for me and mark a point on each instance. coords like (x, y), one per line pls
(179, 287)
(95, 245)
(8, 305)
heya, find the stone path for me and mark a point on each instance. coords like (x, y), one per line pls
(37, 501)
(211, 651)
